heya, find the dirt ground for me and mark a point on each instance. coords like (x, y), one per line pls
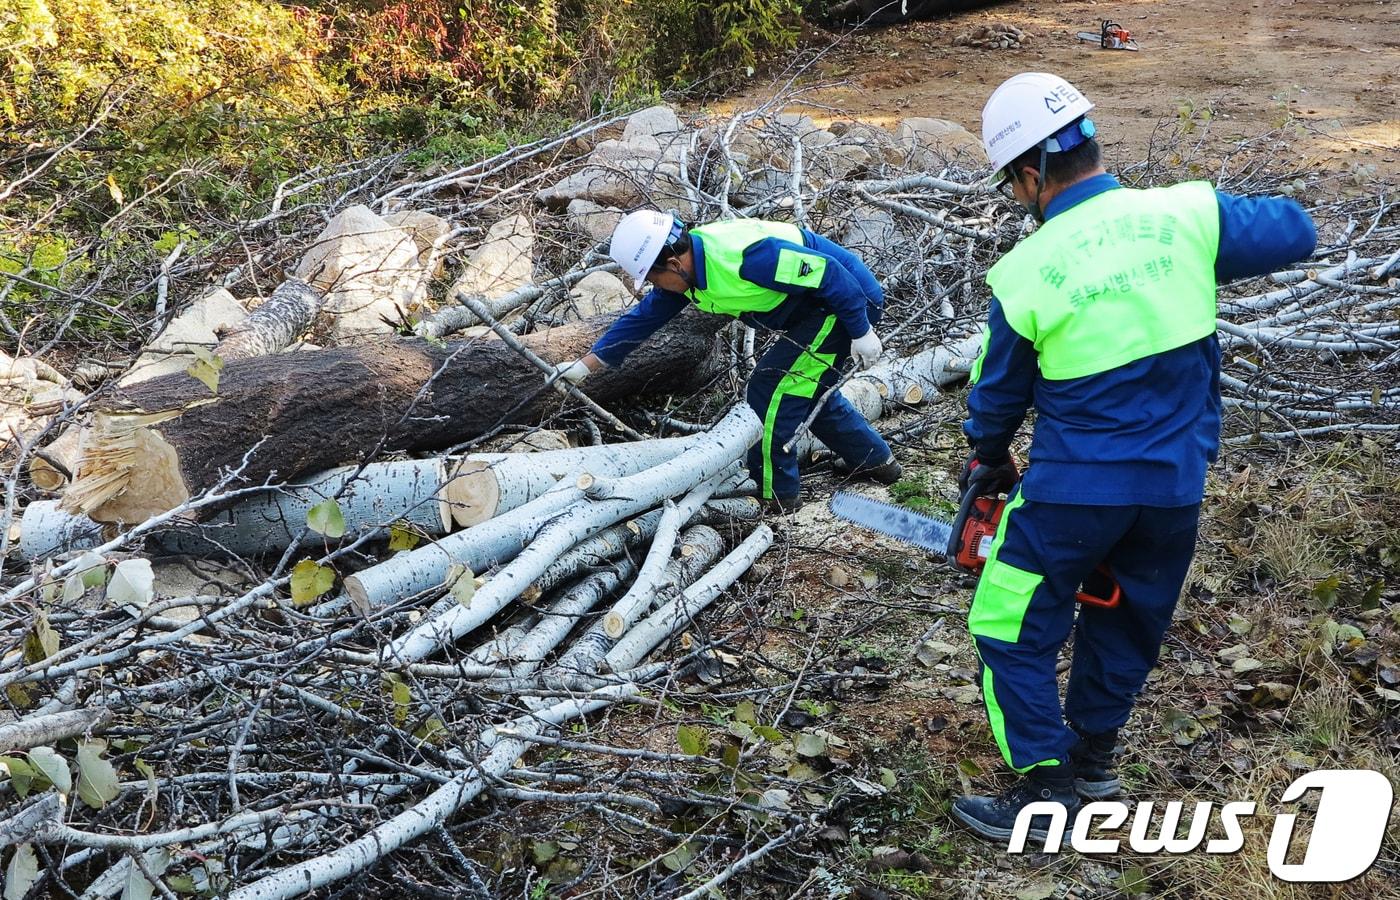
(1329, 71)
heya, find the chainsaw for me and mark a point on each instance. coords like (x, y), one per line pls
(1111, 36)
(966, 541)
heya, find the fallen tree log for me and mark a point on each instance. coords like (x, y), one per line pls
(717, 452)
(38, 731)
(275, 324)
(371, 498)
(914, 379)
(484, 485)
(160, 442)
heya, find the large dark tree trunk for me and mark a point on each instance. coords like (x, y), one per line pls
(162, 441)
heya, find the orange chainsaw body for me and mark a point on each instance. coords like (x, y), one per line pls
(974, 543)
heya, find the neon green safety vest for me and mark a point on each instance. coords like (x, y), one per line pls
(725, 242)
(1121, 276)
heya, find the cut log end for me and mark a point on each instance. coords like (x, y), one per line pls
(127, 472)
(47, 469)
(614, 626)
(913, 395)
(472, 495)
(359, 597)
(45, 476)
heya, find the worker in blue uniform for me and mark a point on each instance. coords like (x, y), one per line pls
(819, 297)
(1103, 320)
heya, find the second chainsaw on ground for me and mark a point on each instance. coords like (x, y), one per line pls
(966, 541)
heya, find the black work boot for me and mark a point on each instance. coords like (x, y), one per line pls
(782, 506)
(994, 818)
(887, 472)
(1095, 765)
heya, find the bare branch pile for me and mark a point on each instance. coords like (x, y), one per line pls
(272, 559)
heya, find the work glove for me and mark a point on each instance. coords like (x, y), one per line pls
(984, 477)
(866, 349)
(573, 372)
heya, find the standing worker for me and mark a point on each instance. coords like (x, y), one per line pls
(1104, 321)
(817, 294)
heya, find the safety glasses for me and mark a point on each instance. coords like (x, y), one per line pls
(1004, 185)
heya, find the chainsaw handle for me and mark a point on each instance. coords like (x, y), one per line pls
(1100, 589)
(965, 507)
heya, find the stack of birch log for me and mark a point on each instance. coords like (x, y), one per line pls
(408, 600)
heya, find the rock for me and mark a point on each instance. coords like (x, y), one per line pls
(203, 324)
(370, 272)
(814, 141)
(425, 229)
(929, 143)
(656, 129)
(601, 292)
(503, 262)
(876, 141)
(838, 160)
(598, 222)
(757, 187)
(660, 122)
(746, 146)
(869, 231)
(998, 36)
(802, 124)
(621, 153)
(616, 174)
(670, 191)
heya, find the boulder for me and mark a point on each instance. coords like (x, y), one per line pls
(756, 187)
(425, 228)
(598, 293)
(870, 231)
(203, 324)
(929, 143)
(370, 271)
(616, 174)
(876, 141)
(795, 122)
(597, 222)
(836, 160)
(659, 122)
(503, 262)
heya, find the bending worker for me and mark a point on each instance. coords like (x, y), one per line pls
(1103, 319)
(818, 295)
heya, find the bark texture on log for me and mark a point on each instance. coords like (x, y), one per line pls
(41, 730)
(168, 439)
(484, 485)
(275, 324)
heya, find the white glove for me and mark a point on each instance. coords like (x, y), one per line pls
(866, 349)
(573, 372)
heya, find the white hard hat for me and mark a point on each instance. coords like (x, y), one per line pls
(639, 238)
(1027, 109)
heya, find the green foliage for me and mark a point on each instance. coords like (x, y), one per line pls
(912, 491)
(61, 59)
(690, 40)
(42, 260)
